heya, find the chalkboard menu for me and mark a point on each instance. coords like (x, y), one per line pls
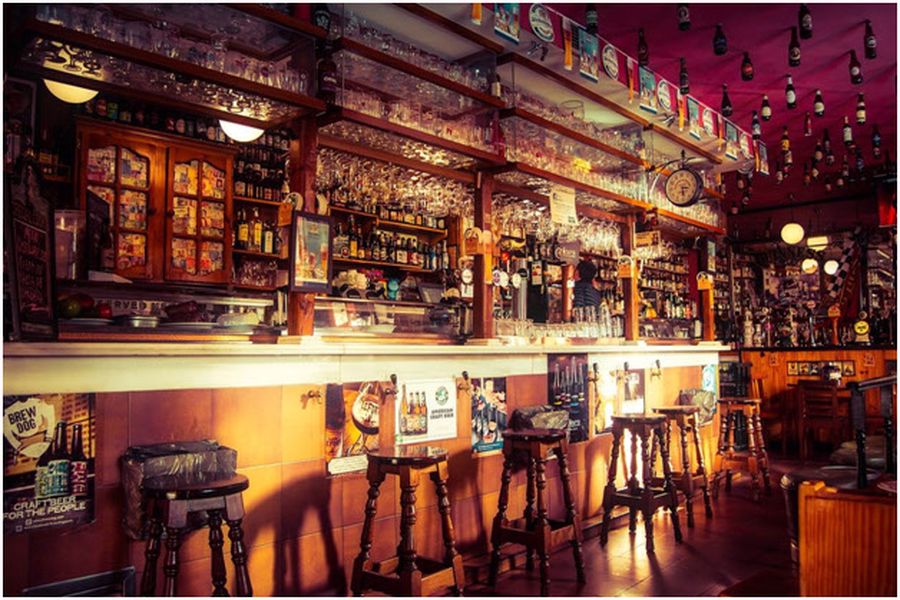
(28, 257)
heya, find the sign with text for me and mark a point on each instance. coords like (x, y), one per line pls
(645, 239)
(562, 205)
(489, 413)
(568, 389)
(352, 422)
(425, 411)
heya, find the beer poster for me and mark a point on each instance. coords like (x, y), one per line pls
(647, 83)
(731, 140)
(352, 423)
(633, 397)
(588, 59)
(695, 126)
(605, 396)
(567, 380)
(489, 413)
(48, 461)
(506, 20)
(425, 411)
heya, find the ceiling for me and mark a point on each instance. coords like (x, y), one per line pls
(764, 31)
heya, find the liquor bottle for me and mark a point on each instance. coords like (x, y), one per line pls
(818, 104)
(746, 68)
(242, 239)
(410, 252)
(790, 95)
(643, 51)
(58, 468)
(804, 20)
(684, 17)
(766, 110)
(847, 132)
(42, 473)
(268, 244)
(590, 18)
(819, 153)
(497, 87)
(856, 76)
(755, 127)
(860, 109)
(726, 102)
(870, 42)
(684, 86)
(876, 142)
(720, 43)
(328, 79)
(401, 255)
(794, 49)
(807, 125)
(845, 167)
(78, 468)
(256, 231)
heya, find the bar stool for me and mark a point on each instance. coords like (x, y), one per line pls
(640, 495)
(408, 574)
(534, 530)
(170, 500)
(755, 460)
(688, 482)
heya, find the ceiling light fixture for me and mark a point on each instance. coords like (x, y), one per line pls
(809, 265)
(792, 232)
(69, 93)
(831, 266)
(817, 242)
(240, 133)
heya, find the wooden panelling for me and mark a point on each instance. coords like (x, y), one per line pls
(848, 542)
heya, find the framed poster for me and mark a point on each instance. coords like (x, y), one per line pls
(489, 413)
(588, 59)
(311, 262)
(48, 461)
(567, 381)
(695, 124)
(506, 20)
(352, 423)
(633, 396)
(647, 83)
(425, 411)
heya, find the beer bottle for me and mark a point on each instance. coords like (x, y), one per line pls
(590, 18)
(42, 473)
(785, 140)
(755, 127)
(794, 49)
(424, 414)
(720, 44)
(684, 17)
(860, 161)
(876, 142)
(766, 110)
(684, 85)
(869, 41)
(845, 167)
(828, 186)
(328, 78)
(826, 143)
(78, 469)
(404, 412)
(847, 132)
(860, 109)
(746, 68)
(643, 51)
(60, 462)
(727, 109)
(807, 125)
(818, 104)
(804, 20)
(856, 77)
(790, 95)
(807, 178)
(814, 170)
(819, 153)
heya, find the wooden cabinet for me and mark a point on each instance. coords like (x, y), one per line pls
(159, 207)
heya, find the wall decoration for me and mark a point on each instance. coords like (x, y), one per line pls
(731, 140)
(633, 397)
(647, 83)
(611, 61)
(48, 472)
(541, 24)
(605, 398)
(506, 20)
(588, 59)
(489, 413)
(425, 411)
(665, 95)
(695, 124)
(805, 368)
(762, 157)
(567, 382)
(352, 422)
(311, 253)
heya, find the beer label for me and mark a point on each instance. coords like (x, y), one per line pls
(610, 61)
(58, 477)
(541, 25)
(854, 70)
(42, 483)
(78, 477)
(819, 107)
(790, 96)
(871, 42)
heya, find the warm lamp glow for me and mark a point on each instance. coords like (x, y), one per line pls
(831, 266)
(792, 233)
(809, 265)
(69, 93)
(817, 242)
(238, 132)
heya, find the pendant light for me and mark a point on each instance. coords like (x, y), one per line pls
(792, 232)
(72, 94)
(240, 133)
(817, 242)
(809, 266)
(831, 266)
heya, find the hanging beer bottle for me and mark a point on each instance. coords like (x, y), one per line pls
(590, 18)
(860, 161)
(860, 109)
(814, 170)
(807, 125)
(643, 51)
(856, 77)
(785, 140)
(845, 167)
(766, 110)
(746, 68)
(684, 85)
(779, 172)
(790, 95)
(869, 41)
(807, 179)
(726, 102)
(755, 127)
(720, 44)
(684, 17)
(876, 142)
(847, 132)
(819, 153)
(804, 20)
(819, 104)
(794, 49)
(828, 186)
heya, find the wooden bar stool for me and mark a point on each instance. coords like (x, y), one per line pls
(535, 530)
(689, 482)
(408, 574)
(640, 494)
(170, 500)
(755, 460)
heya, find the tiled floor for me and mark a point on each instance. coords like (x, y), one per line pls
(743, 540)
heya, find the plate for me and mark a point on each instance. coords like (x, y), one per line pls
(93, 322)
(196, 325)
(888, 486)
(240, 328)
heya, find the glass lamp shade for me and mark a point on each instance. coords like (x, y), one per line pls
(792, 233)
(69, 93)
(817, 242)
(809, 265)
(831, 266)
(240, 133)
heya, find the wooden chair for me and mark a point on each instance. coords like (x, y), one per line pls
(773, 410)
(820, 408)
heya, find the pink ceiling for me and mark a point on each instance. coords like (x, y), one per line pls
(764, 31)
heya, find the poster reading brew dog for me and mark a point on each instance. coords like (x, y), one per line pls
(48, 461)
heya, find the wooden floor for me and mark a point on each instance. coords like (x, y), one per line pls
(743, 549)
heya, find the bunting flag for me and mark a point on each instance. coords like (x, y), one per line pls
(506, 20)
(588, 60)
(681, 111)
(762, 158)
(835, 285)
(475, 14)
(731, 140)
(695, 123)
(647, 82)
(629, 73)
(567, 44)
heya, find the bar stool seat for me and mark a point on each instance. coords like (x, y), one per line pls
(754, 460)
(535, 530)
(641, 494)
(688, 481)
(170, 500)
(408, 574)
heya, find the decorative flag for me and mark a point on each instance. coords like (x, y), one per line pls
(731, 140)
(611, 63)
(681, 111)
(476, 13)
(695, 124)
(588, 64)
(762, 158)
(647, 82)
(629, 73)
(506, 20)
(665, 96)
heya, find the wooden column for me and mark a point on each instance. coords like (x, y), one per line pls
(707, 315)
(630, 286)
(483, 305)
(303, 156)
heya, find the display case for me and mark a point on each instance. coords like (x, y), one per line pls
(375, 318)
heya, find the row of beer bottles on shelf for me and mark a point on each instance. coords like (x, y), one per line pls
(256, 235)
(62, 471)
(385, 246)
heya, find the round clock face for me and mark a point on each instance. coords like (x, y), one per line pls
(861, 328)
(683, 187)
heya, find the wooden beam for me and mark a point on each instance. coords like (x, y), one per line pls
(630, 287)
(303, 156)
(483, 305)
(450, 25)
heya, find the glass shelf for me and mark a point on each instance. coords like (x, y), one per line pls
(355, 316)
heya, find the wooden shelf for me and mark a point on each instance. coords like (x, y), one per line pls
(265, 13)
(582, 209)
(385, 224)
(256, 254)
(380, 264)
(258, 201)
(259, 288)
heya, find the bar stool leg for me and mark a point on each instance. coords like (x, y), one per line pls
(633, 484)
(609, 491)
(216, 542)
(361, 563)
(669, 483)
(239, 557)
(410, 575)
(687, 477)
(572, 514)
(528, 515)
(763, 454)
(719, 462)
(451, 556)
(729, 452)
(170, 569)
(500, 517)
(647, 492)
(543, 525)
(753, 458)
(151, 553)
(701, 469)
